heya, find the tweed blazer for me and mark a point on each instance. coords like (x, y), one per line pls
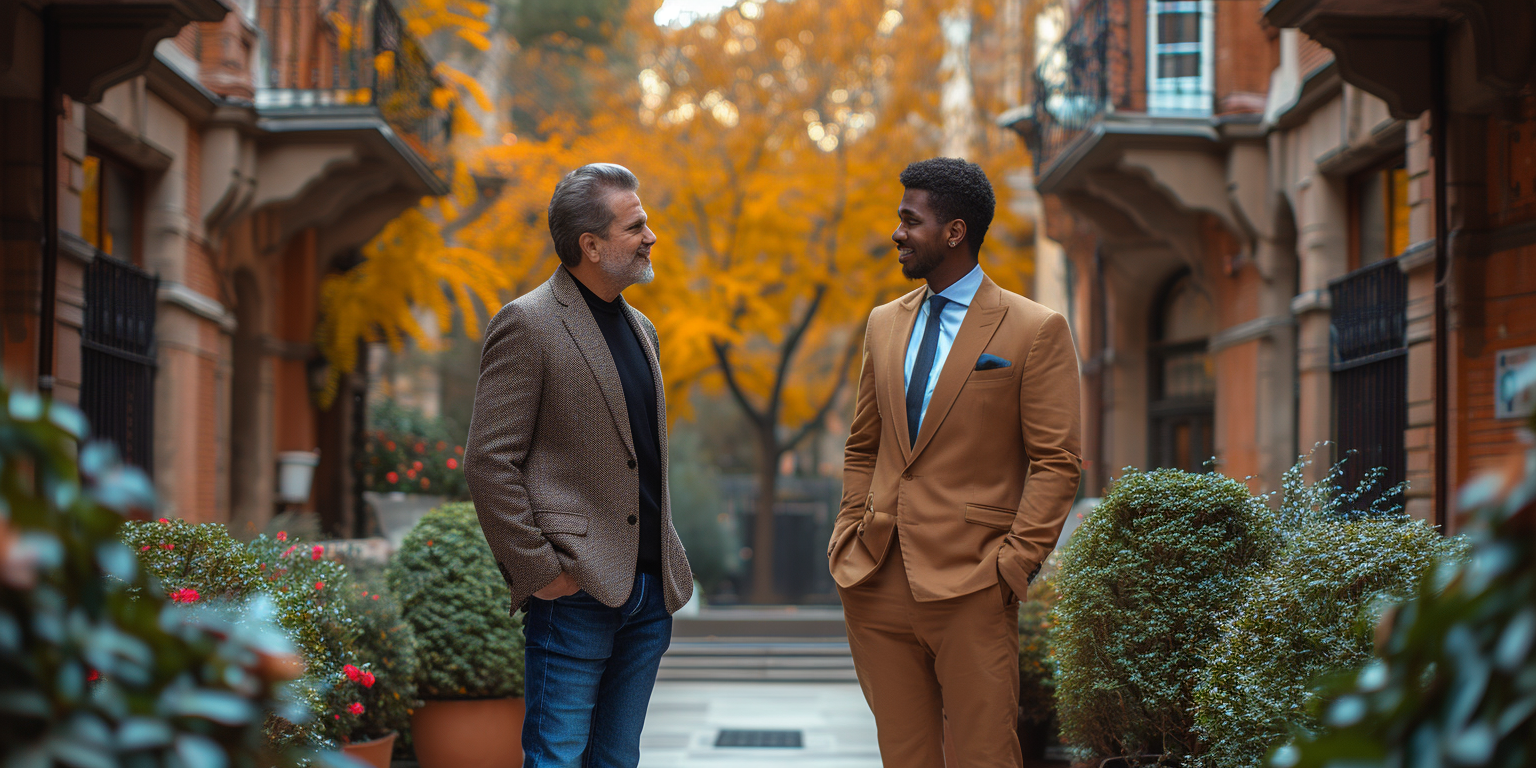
(983, 493)
(550, 459)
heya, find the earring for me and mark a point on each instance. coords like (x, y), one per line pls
(952, 243)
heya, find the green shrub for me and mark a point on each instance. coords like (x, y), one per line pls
(1456, 682)
(387, 644)
(97, 668)
(194, 563)
(311, 595)
(408, 452)
(1142, 583)
(1309, 613)
(452, 594)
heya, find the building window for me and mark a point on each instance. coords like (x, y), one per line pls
(1179, 67)
(110, 207)
(1379, 214)
(1182, 397)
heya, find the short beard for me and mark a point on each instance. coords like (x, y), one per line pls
(636, 272)
(921, 265)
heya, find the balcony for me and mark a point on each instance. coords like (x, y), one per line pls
(1100, 77)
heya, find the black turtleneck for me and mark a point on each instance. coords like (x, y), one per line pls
(640, 400)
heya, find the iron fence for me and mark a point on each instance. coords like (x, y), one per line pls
(117, 387)
(355, 53)
(1370, 373)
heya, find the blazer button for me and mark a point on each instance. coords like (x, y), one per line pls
(633, 519)
(631, 463)
(906, 476)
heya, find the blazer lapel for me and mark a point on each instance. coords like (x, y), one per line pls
(981, 322)
(893, 368)
(578, 320)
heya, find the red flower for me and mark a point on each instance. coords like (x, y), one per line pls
(314, 554)
(187, 595)
(289, 550)
(389, 446)
(282, 535)
(355, 708)
(411, 473)
(375, 597)
(144, 548)
(367, 680)
(416, 465)
(441, 444)
(421, 447)
(425, 483)
(353, 673)
(163, 520)
(168, 547)
(453, 463)
(92, 676)
(319, 585)
(392, 478)
(459, 449)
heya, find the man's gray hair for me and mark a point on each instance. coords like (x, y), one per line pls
(580, 205)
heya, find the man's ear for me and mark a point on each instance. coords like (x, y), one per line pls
(954, 232)
(588, 243)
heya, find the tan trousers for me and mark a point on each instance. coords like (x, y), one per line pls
(918, 662)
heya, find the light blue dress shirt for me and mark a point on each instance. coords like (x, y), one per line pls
(960, 296)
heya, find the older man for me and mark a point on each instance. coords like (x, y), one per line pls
(567, 465)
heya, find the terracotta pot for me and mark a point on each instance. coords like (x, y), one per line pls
(475, 733)
(375, 753)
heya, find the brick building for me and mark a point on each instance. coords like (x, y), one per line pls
(1249, 232)
(179, 178)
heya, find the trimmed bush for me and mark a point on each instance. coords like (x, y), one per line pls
(452, 594)
(194, 563)
(388, 645)
(1142, 584)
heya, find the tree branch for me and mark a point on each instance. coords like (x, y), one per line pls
(854, 344)
(787, 350)
(723, 357)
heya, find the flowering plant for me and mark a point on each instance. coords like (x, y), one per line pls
(410, 453)
(389, 642)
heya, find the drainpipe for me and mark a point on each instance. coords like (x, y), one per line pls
(1440, 124)
(50, 240)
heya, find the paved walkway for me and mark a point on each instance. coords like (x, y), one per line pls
(686, 717)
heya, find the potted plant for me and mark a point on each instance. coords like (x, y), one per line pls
(388, 643)
(470, 648)
(410, 464)
(1142, 584)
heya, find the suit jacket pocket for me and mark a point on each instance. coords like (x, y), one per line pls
(992, 517)
(560, 522)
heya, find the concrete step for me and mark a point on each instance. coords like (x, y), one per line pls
(798, 622)
(749, 659)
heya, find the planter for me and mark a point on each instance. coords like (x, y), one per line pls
(396, 513)
(375, 753)
(475, 733)
(1138, 761)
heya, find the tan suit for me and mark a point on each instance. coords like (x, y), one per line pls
(550, 459)
(935, 542)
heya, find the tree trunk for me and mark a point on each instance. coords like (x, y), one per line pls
(762, 534)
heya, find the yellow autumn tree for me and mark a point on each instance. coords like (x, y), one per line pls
(768, 141)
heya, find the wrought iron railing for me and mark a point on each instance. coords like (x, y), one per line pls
(355, 53)
(1095, 68)
(1370, 372)
(117, 351)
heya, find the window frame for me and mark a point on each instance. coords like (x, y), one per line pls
(135, 178)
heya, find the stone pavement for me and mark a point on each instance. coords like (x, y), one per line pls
(686, 717)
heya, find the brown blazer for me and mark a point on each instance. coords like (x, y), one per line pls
(984, 492)
(550, 459)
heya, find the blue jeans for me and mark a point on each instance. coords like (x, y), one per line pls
(589, 674)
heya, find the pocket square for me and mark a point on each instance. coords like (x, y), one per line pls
(988, 362)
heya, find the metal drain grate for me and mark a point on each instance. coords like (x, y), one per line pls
(761, 739)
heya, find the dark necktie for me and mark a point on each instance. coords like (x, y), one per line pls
(926, 351)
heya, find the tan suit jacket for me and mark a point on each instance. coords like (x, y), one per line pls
(550, 459)
(985, 490)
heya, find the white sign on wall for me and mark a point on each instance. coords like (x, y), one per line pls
(1510, 399)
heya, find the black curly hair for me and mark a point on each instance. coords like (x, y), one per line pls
(957, 190)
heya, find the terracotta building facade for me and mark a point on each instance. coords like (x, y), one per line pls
(1258, 257)
(180, 178)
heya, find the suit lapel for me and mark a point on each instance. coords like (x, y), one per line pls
(893, 366)
(981, 322)
(578, 320)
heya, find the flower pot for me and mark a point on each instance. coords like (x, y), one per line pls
(375, 753)
(472, 733)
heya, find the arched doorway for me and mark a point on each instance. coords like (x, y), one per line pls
(1181, 402)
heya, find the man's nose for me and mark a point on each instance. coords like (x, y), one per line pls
(648, 237)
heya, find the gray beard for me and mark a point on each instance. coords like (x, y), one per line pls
(636, 272)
